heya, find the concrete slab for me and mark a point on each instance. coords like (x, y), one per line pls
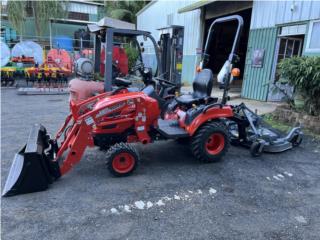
(235, 98)
(216, 92)
(258, 106)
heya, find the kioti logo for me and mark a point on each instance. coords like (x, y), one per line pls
(111, 109)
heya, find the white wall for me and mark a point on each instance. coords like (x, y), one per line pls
(269, 13)
(157, 14)
(164, 13)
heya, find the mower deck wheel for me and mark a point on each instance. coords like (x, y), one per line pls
(296, 140)
(122, 159)
(256, 149)
(211, 142)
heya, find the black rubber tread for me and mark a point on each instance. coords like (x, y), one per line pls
(120, 148)
(200, 137)
(254, 149)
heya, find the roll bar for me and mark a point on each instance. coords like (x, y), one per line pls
(236, 38)
(232, 56)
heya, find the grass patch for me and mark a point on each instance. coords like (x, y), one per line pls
(268, 118)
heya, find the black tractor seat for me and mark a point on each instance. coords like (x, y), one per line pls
(202, 87)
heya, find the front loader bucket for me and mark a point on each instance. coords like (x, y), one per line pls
(32, 169)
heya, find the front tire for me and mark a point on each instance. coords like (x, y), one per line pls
(122, 159)
(211, 142)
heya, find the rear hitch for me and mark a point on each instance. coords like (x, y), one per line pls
(33, 168)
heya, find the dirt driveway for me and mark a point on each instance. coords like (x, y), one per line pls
(171, 195)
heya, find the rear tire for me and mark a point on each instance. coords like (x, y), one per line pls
(122, 159)
(211, 142)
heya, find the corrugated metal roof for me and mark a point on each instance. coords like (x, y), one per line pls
(195, 6)
(70, 21)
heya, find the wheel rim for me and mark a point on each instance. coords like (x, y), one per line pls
(123, 163)
(215, 143)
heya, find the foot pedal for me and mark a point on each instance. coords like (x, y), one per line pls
(171, 129)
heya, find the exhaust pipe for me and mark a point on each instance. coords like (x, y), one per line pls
(33, 168)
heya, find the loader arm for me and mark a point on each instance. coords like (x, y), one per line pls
(80, 135)
(43, 160)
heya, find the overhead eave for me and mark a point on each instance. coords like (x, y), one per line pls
(70, 21)
(196, 5)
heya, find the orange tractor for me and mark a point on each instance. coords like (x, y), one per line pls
(117, 118)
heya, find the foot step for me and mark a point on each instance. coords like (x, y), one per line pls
(171, 129)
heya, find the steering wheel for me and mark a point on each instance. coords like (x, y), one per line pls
(139, 66)
(161, 81)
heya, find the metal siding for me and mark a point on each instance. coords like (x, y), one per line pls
(271, 13)
(155, 17)
(256, 80)
(82, 8)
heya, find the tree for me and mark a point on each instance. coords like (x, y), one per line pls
(124, 10)
(42, 12)
(16, 14)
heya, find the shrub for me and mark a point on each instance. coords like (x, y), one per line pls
(303, 73)
(133, 55)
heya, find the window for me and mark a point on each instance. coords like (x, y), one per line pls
(313, 43)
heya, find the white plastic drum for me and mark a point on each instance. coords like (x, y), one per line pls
(28, 49)
(5, 54)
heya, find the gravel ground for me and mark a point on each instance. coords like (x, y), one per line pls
(170, 196)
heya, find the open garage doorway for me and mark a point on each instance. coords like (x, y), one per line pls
(221, 44)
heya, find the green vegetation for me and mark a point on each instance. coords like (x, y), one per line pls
(132, 54)
(269, 119)
(124, 10)
(41, 11)
(16, 14)
(303, 73)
